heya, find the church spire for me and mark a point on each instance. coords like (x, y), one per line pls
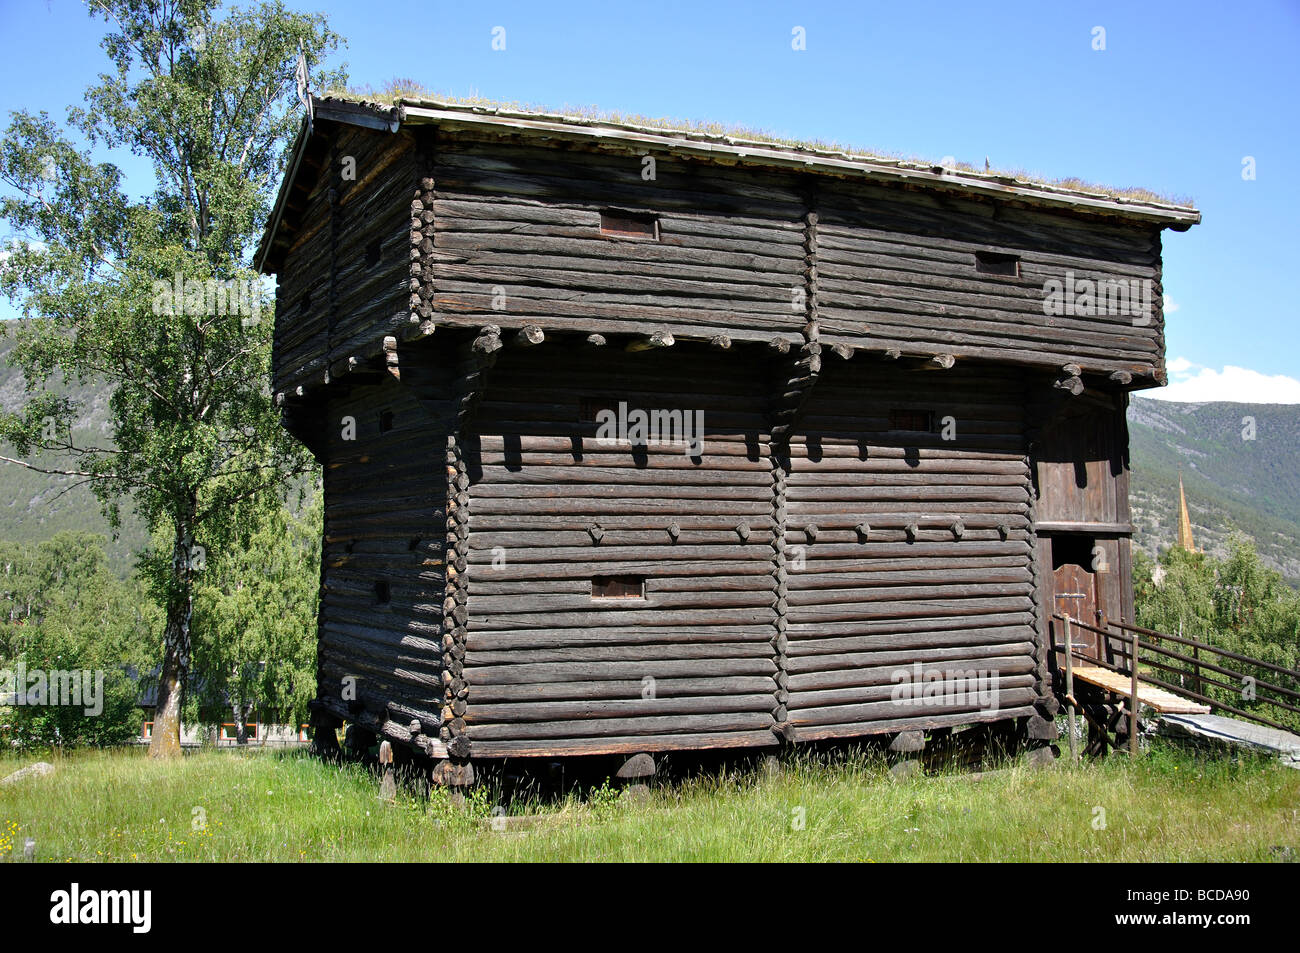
(1184, 521)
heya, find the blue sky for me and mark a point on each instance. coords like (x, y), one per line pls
(1180, 95)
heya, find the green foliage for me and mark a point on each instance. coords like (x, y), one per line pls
(194, 439)
(64, 610)
(255, 622)
(1236, 603)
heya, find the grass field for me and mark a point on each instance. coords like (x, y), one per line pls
(287, 806)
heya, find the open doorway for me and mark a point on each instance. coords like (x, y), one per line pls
(1074, 589)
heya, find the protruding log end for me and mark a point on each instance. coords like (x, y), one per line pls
(655, 340)
(944, 361)
(1073, 385)
(488, 340)
(1121, 377)
(529, 334)
(595, 340)
(720, 341)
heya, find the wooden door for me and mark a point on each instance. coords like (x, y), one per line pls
(1074, 591)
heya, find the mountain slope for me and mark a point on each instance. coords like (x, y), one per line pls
(1236, 476)
(35, 506)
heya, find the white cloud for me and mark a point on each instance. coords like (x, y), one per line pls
(1195, 383)
(1171, 305)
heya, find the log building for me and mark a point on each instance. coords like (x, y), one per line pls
(638, 439)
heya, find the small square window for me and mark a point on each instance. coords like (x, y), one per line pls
(997, 263)
(617, 223)
(382, 593)
(912, 421)
(618, 587)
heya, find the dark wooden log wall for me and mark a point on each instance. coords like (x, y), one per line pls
(384, 573)
(550, 669)
(336, 301)
(898, 269)
(527, 219)
(1081, 463)
(913, 548)
(1081, 471)
(510, 234)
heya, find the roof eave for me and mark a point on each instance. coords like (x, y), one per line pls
(759, 153)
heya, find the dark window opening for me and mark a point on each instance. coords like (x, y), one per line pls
(997, 263)
(304, 304)
(413, 545)
(373, 252)
(1073, 550)
(382, 593)
(618, 587)
(589, 407)
(385, 421)
(620, 224)
(912, 421)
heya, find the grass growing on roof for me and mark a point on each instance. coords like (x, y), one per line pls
(287, 806)
(410, 92)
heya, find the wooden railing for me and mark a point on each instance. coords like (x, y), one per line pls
(1190, 666)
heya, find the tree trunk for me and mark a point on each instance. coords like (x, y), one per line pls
(166, 740)
(241, 713)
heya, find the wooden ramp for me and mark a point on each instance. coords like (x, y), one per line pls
(1159, 699)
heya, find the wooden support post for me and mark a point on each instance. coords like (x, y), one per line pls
(633, 777)
(1069, 690)
(908, 745)
(324, 739)
(1133, 700)
(388, 782)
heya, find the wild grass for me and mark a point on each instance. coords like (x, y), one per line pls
(242, 806)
